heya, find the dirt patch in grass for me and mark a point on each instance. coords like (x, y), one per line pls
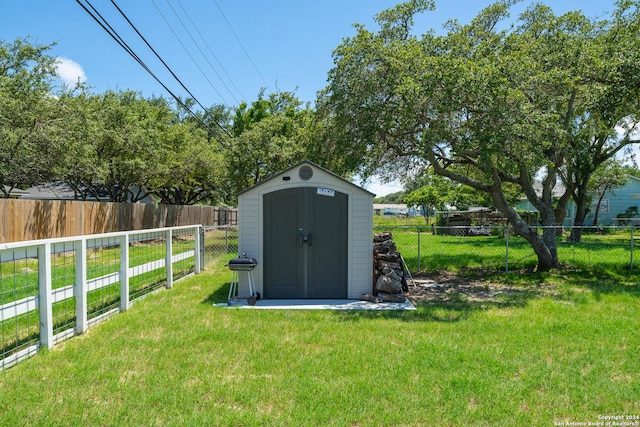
(451, 287)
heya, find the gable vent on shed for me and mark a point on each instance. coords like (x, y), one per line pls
(305, 173)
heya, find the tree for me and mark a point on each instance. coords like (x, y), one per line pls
(392, 198)
(454, 194)
(268, 137)
(488, 108)
(609, 176)
(428, 197)
(194, 172)
(28, 152)
(129, 144)
(215, 120)
(79, 129)
(432, 192)
(127, 147)
(602, 122)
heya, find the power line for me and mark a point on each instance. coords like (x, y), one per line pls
(166, 21)
(156, 54)
(120, 41)
(209, 49)
(255, 67)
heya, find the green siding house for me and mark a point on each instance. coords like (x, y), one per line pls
(615, 203)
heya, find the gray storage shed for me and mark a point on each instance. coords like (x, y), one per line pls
(311, 233)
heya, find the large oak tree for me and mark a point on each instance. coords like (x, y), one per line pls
(486, 104)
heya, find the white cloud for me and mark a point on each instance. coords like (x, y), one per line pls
(69, 71)
(380, 188)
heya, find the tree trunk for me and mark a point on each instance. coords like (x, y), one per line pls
(544, 245)
(581, 199)
(561, 210)
(597, 211)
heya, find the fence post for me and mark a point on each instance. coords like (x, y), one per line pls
(419, 245)
(124, 272)
(80, 289)
(506, 234)
(198, 237)
(169, 259)
(44, 296)
(631, 262)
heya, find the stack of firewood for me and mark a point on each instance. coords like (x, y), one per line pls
(388, 272)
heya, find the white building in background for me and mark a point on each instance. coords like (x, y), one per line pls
(386, 209)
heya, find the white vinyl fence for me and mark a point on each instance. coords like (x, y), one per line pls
(51, 290)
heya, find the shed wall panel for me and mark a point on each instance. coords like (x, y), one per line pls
(362, 256)
(249, 238)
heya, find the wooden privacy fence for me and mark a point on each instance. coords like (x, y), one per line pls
(22, 220)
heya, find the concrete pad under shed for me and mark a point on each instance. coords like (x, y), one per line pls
(319, 304)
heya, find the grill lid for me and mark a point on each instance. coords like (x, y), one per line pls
(242, 263)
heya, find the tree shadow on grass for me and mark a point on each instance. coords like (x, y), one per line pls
(602, 281)
(453, 303)
(452, 297)
(598, 280)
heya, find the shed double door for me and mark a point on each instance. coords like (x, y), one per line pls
(305, 243)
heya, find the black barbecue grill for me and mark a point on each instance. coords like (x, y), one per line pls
(246, 264)
(242, 263)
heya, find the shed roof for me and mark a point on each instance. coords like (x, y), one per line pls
(310, 163)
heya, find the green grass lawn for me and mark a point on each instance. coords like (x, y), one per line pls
(567, 354)
(425, 252)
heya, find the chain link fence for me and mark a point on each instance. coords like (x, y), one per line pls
(496, 247)
(218, 242)
(427, 249)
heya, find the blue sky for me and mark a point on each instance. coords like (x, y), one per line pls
(223, 51)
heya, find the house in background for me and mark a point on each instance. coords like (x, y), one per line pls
(387, 209)
(558, 190)
(15, 193)
(59, 190)
(615, 203)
